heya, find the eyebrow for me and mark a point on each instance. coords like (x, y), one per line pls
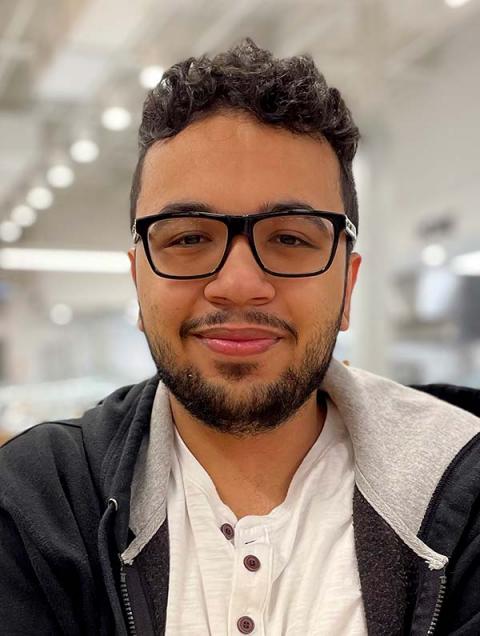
(267, 207)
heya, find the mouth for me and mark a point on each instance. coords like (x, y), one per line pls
(237, 347)
(238, 342)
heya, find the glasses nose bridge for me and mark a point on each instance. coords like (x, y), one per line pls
(237, 226)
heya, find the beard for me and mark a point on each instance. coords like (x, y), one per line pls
(263, 407)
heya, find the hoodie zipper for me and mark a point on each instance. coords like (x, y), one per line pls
(438, 605)
(126, 600)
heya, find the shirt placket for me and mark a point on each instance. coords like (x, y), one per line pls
(252, 579)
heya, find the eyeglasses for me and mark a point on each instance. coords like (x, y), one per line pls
(292, 243)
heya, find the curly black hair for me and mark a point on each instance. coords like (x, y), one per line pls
(289, 93)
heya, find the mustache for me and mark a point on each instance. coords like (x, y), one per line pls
(248, 317)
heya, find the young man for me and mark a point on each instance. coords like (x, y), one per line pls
(255, 485)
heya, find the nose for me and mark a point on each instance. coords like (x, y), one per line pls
(241, 281)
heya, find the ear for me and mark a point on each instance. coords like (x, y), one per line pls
(133, 272)
(353, 267)
(133, 265)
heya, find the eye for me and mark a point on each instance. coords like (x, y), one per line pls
(188, 239)
(290, 240)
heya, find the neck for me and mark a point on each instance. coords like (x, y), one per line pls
(252, 475)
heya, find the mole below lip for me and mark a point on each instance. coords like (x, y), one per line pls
(233, 347)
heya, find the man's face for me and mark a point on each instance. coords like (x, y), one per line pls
(235, 165)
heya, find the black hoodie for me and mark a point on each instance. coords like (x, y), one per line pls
(64, 513)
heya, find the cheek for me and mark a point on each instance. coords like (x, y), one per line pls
(166, 303)
(314, 304)
(316, 299)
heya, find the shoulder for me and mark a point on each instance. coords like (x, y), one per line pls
(466, 398)
(382, 398)
(63, 455)
(38, 443)
(40, 463)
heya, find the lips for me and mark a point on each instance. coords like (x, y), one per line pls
(237, 334)
(238, 342)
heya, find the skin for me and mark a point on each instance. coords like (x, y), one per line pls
(234, 164)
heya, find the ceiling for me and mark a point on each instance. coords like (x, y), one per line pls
(63, 61)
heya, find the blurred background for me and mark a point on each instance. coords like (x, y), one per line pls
(73, 76)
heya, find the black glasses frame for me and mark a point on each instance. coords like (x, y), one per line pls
(243, 224)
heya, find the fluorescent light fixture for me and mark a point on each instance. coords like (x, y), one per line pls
(466, 264)
(84, 150)
(61, 314)
(64, 260)
(150, 76)
(23, 215)
(40, 198)
(434, 255)
(455, 3)
(116, 118)
(10, 231)
(60, 176)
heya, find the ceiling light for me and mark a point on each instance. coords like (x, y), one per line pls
(84, 150)
(150, 76)
(116, 118)
(434, 255)
(466, 264)
(23, 215)
(60, 176)
(61, 314)
(10, 231)
(455, 3)
(40, 198)
(64, 260)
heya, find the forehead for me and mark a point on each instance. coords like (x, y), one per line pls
(235, 164)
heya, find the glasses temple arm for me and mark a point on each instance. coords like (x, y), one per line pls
(350, 229)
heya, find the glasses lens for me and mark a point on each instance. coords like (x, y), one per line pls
(299, 244)
(187, 246)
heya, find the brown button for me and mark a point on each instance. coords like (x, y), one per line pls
(245, 625)
(251, 563)
(227, 531)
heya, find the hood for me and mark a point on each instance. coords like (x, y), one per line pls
(403, 440)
